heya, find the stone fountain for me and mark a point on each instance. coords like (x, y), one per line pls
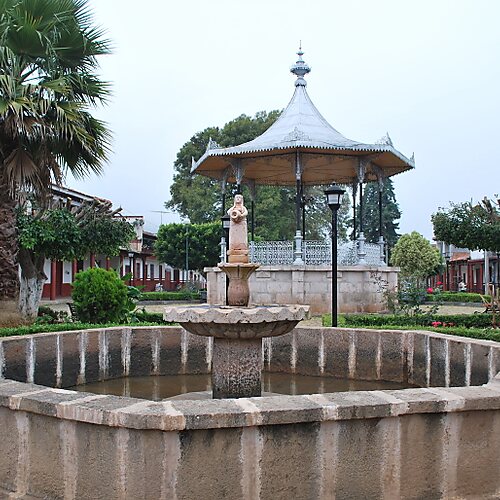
(237, 329)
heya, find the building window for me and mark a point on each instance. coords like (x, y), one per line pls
(152, 271)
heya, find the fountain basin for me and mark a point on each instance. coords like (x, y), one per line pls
(237, 347)
(243, 323)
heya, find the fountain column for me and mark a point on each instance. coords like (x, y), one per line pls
(236, 368)
(237, 329)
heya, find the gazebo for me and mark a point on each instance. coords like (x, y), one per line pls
(301, 148)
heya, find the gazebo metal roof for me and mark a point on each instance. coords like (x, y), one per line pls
(326, 156)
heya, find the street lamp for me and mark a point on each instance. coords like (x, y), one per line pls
(334, 200)
(226, 222)
(130, 261)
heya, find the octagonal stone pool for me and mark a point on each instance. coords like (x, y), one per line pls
(439, 440)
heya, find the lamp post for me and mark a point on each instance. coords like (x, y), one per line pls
(130, 257)
(447, 256)
(226, 221)
(334, 200)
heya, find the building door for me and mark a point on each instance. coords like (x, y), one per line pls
(59, 278)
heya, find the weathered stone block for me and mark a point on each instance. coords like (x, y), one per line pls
(218, 477)
(480, 364)
(45, 462)
(366, 354)
(423, 464)
(45, 360)
(439, 366)
(70, 346)
(169, 351)
(337, 352)
(141, 354)
(9, 448)
(457, 363)
(290, 451)
(15, 351)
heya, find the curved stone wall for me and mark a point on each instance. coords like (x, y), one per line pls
(439, 441)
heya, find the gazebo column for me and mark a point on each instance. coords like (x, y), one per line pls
(223, 242)
(297, 254)
(354, 194)
(252, 189)
(238, 170)
(303, 204)
(361, 236)
(381, 242)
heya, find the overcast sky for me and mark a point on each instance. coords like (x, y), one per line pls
(426, 71)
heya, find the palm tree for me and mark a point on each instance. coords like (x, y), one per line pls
(48, 83)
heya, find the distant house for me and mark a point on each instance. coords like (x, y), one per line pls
(467, 267)
(138, 259)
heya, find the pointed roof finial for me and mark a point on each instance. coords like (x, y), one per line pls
(300, 68)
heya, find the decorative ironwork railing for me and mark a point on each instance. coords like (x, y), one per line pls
(270, 253)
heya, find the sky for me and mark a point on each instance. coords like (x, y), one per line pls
(427, 72)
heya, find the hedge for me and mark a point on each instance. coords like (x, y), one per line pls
(478, 326)
(187, 295)
(465, 320)
(59, 327)
(456, 297)
(149, 317)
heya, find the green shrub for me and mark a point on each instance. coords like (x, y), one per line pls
(182, 295)
(149, 317)
(47, 316)
(100, 296)
(423, 320)
(456, 297)
(59, 327)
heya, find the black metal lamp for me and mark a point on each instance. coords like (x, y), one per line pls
(334, 200)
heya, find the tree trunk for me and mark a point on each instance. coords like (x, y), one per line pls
(9, 271)
(32, 280)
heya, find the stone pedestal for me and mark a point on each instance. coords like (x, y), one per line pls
(236, 368)
(238, 293)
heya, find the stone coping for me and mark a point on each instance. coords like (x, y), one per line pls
(310, 267)
(116, 411)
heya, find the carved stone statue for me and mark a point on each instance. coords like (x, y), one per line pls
(238, 232)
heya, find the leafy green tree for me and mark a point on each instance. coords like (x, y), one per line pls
(476, 227)
(64, 234)
(415, 256)
(200, 240)
(390, 213)
(48, 84)
(198, 198)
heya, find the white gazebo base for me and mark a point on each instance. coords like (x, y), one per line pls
(358, 287)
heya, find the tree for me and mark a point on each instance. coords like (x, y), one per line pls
(390, 213)
(198, 198)
(60, 233)
(48, 83)
(200, 240)
(476, 227)
(416, 257)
